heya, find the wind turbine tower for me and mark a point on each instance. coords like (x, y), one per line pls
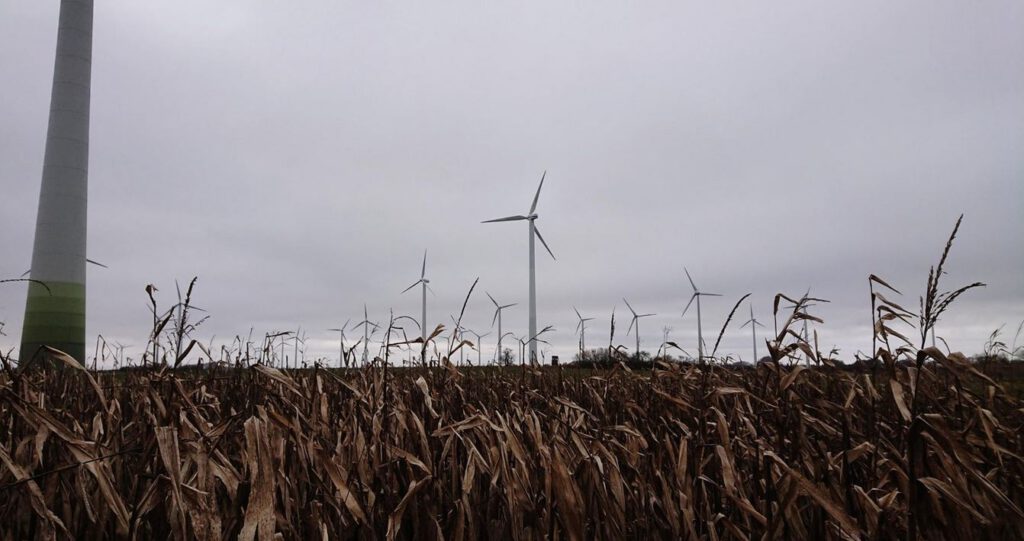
(581, 328)
(531, 217)
(55, 312)
(423, 281)
(497, 317)
(479, 338)
(341, 344)
(697, 294)
(366, 324)
(635, 323)
(754, 324)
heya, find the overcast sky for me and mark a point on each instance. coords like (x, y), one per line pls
(299, 157)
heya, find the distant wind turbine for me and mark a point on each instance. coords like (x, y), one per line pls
(497, 317)
(458, 330)
(697, 294)
(581, 328)
(298, 338)
(366, 324)
(754, 324)
(531, 217)
(423, 281)
(342, 358)
(479, 337)
(635, 323)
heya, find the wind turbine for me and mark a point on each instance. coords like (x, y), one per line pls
(296, 340)
(635, 322)
(423, 281)
(457, 335)
(531, 217)
(697, 294)
(342, 358)
(581, 328)
(479, 337)
(366, 324)
(754, 324)
(55, 305)
(497, 317)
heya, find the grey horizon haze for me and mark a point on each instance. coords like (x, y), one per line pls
(299, 159)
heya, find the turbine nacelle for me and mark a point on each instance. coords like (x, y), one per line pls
(531, 216)
(696, 292)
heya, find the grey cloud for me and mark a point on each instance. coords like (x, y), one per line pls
(299, 158)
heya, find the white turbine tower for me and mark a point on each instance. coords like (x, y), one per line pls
(497, 317)
(635, 322)
(423, 281)
(697, 294)
(531, 217)
(479, 337)
(754, 324)
(341, 344)
(55, 305)
(581, 328)
(457, 335)
(366, 324)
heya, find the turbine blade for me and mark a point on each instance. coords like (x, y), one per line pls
(577, 312)
(533, 207)
(537, 232)
(414, 284)
(646, 315)
(628, 306)
(492, 299)
(693, 285)
(97, 263)
(423, 273)
(510, 305)
(758, 323)
(495, 318)
(694, 296)
(631, 323)
(711, 294)
(747, 323)
(515, 218)
(25, 273)
(431, 290)
(578, 325)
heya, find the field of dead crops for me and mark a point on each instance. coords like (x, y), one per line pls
(777, 451)
(918, 443)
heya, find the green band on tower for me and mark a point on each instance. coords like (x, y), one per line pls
(54, 317)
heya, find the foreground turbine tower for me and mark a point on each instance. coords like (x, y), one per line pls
(56, 316)
(531, 217)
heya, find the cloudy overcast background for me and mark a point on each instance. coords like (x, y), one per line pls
(299, 157)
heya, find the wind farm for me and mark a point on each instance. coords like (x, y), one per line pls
(250, 361)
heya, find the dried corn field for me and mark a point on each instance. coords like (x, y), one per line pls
(683, 452)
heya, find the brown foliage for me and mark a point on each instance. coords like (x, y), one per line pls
(731, 453)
